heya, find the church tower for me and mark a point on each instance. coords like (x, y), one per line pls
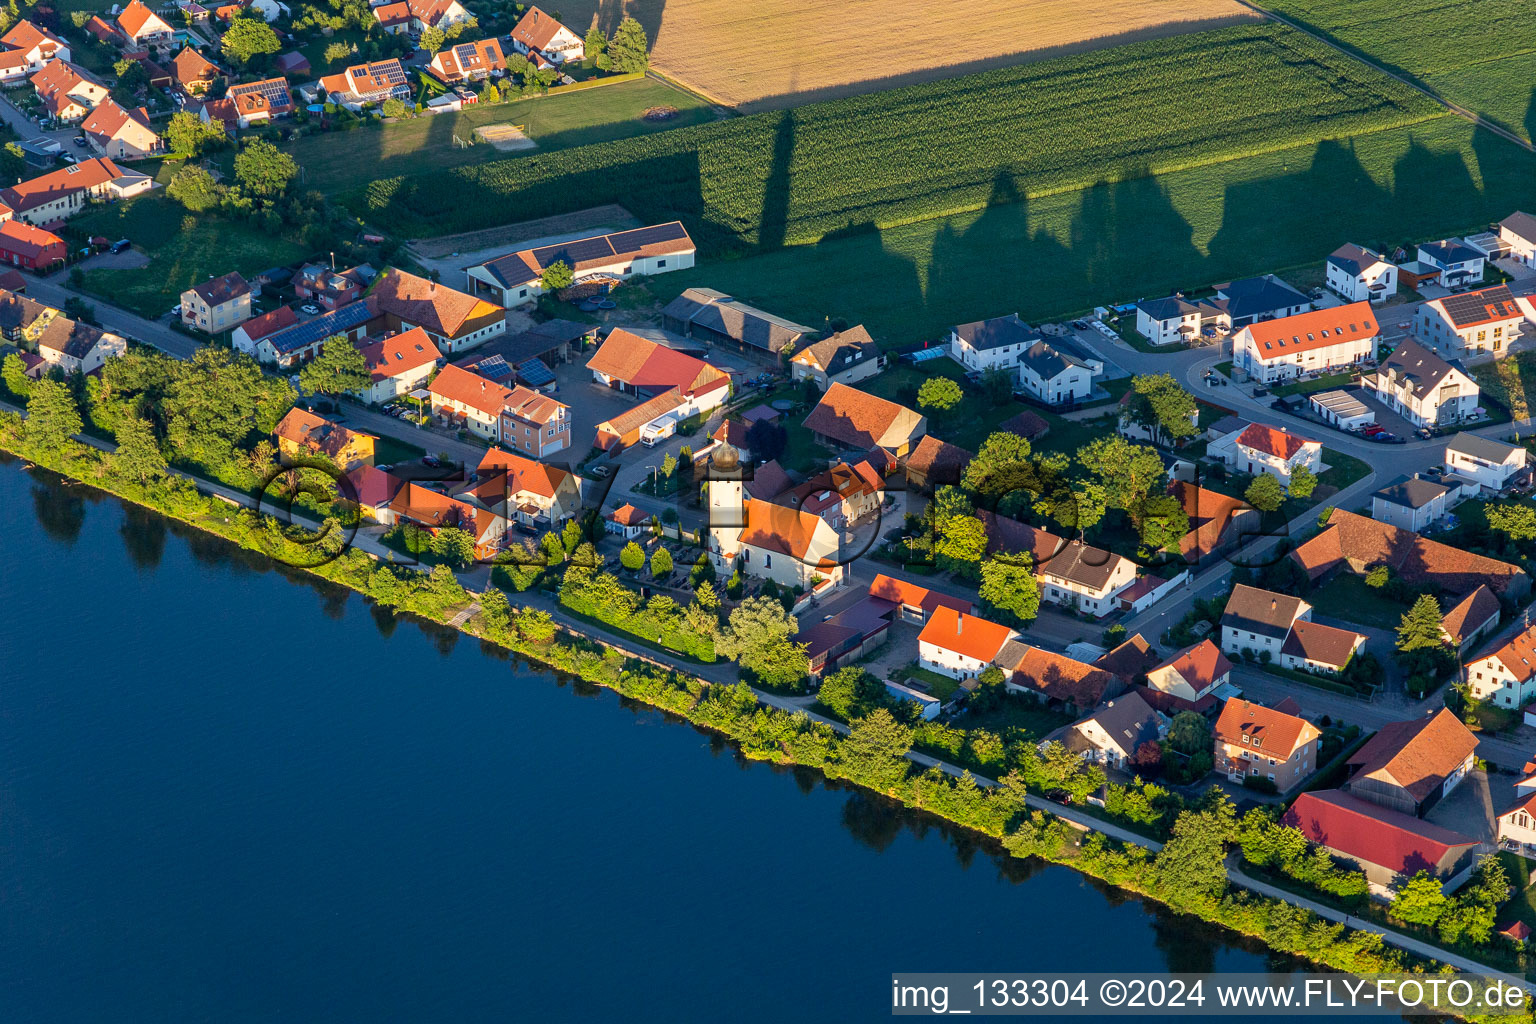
(727, 505)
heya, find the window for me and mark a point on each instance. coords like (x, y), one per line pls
(767, 561)
(660, 264)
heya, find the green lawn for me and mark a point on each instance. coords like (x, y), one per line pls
(1026, 714)
(1342, 471)
(343, 160)
(1521, 905)
(1511, 382)
(1347, 597)
(1306, 387)
(183, 249)
(1061, 254)
(387, 451)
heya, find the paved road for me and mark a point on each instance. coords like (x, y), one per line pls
(155, 333)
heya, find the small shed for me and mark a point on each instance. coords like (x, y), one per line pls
(1343, 410)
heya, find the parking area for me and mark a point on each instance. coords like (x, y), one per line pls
(1469, 808)
(591, 403)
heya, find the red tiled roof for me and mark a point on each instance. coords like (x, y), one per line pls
(1200, 665)
(1271, 441)
(135, 17)
(627, 515)
(900, 592)
(1373, 834)
(1273, 732)
(640, 362)
(1059, 677)
(315, 432)
(455, 384)
(279, 319)
(969, 636)
(536, 29)
(399, 353)
(1210, 513)
(1279, 339)
(773, 527)
(1417, 756)
(21, 238)
(513, 473)
(1518, 654)
(423, 303)
(1362, 542)
(853, 417)
(1470, 614)
(374, 487)
(56, 185)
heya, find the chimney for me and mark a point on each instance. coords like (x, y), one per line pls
(959, 624)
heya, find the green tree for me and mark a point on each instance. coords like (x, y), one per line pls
(1421, 626)
(1128, 472)
(432, 39)
(661, 563)
(876, 747)
(263, 170)
(961, 544)
(1421, 901)
(454, 546)
(489, 94)
(186, 135)
(939, 394)
(247, 39)
(1515, 522)
(851, 692)
(596, 47)
(632, 557)
(339, 369)
(1001, 464)
(1189, 732)
(396, 108)
(1008, 583)
(1264, 493)
(556, 276)
(52, 415)
(13, 162)
(1163, 521)
(1378, 576)
(1163, 408)
(14, 372)
(1303, 482)
(138, 453)
(759, 637)
(535, 625)
(194, 188)
(628, 52)
(130, 74)
(1191, 867)
(338, 51)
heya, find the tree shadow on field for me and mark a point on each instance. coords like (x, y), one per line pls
(774, 223)
(606, 15)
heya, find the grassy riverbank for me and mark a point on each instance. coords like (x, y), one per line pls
(1187, 874)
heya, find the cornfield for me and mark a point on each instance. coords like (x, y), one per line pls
(798, 176)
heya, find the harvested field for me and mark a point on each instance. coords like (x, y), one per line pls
(776, 53)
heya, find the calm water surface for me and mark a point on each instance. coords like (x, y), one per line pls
(231, 795)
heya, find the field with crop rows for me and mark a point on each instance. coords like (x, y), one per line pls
(1481, 55)
(777, 53)
(1066, 253)
(925, 151)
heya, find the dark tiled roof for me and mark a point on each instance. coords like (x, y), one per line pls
(1261, 611)
(997, 332)
(1411, 492)
(1354, 259)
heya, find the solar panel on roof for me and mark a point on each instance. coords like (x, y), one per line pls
(343, 319)
(579, 251)
(534, 373)
(628, 241)
(273, 90)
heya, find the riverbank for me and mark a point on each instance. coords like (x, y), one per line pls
(870, 755)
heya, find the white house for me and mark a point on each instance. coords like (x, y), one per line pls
(77, 348)
(1319, 649)
(998, 343)
(1518, 231)
(1252, 299)
(1482, 321)
(398, 364)
(1315, 342)
(1410, 503)
(1359, 274)
(541, 33)
(1518, 824)
(1458, 264)
(1427, 390)
(1055, 373)
(1260, 620)
(1506, 676)
(1193, 674)
(1111, 734)
(1483, 462)
(1069, 573)
(1263, 449)
(626, 522)
(1167, 321)
(958, 645)
(516, 279)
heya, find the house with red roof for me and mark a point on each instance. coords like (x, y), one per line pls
(1252, 740)
(249, 335)
(1518, 824)
(1410, 766)
(1056, 679)
(466, 62)
(22, 245)
(27, 49)
(539, 33)
(626, 521)
(1319, 341)
(1319, 649)
(1506, 675)
(1259, 448)
(374, 491)
(68, 93)
(141, 28)
(842, 495)
(912, 602)
(60, 194)
(532, 495)
(1217, 522)
(1389, 846)
(433, 511)
(849, 419)
(455, 320)
(397, 364)
(528, 420)
(1471, 618)
(122, 133)
(960, 645)
(301, 434)
(1188, 681)
(674, 384)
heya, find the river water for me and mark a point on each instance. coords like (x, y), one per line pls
(229, 794)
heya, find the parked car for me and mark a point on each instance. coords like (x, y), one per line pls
(121, 245)
(176, 311)
(80, 141)
(1079, 325)
(311, 309)
(430, 460)
(600, 471)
